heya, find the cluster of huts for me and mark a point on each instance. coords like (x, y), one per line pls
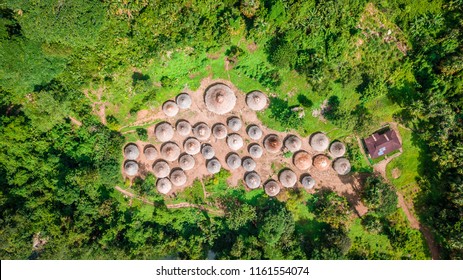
(195, 142)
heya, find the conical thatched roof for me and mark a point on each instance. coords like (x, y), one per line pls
(308, 182)
(131, 168)
(192, 146)
(219, 131)
(272, 143)
(337, 149)
(213, 166)
(164, 132)
(234, 141)
(163, 185)
(272, 188)
(170, 108)
(183, 128)
(201, 131)
(287, 178)
(161, 169)
(319, 142)
(131, 151)
(293, 143)
(255, 150)
(207, 151)
(254, 132)
(342, 166)
(170, 151)
(233, 161)
(150, 152)
(256, 100)
(178, 177)
(252, 180)
(186, 162)
(249, 164)
(183, 100)
(234, 124)
(302, 160)
(321, 162)
(219, 99)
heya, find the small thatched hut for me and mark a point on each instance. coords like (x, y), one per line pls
(131, 168)
(287, 178)
(219, 131)
(183, 128)
(170, 108)
(170, 151)
(164, 132)
(150, 152)
(254, 132)
(337, 149)
(249, 164)
(213, 166)
(192, 146)
(302, 160)
(252, 180)
(234, 123)
(219, 99)
(256, 100)
(186, 162)
(131, 151)
(255, 150)
(272, 188)
(342, 166)
(201, 131)
(272, 143)
(163, 185)
(321, 162)
(178, 177)
(207, 151)
(319, 142)
(308, 182)
(161, 169)
(234, 141)
(233, 161)
(293, 143)
(183, 100)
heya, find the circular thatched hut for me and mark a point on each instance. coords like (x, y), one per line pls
(308, 182)
(255, 150)
(192, 146)
(163, 185)
(131, 168)
(219, 99)
(287, 178)
(293, 143)
(183, 100)
(272, 143)
(202, 131)
(164, 132)
(170, 108)
(131, 151)
(234, 141)
(272, 188)
(234, 123)
(213, 166)
(150, 152)
(233, 161)
(342, 166)
(170, 151)
(186, 162)
(319, 142)
(183, 128)
(321, 162)
(254, 132)
(249, 164)
(161, 169)
(219, 131)
(302, 160)
(252, 180)
(337, 149)
(207, 151)
(178, 177)
(256, 100)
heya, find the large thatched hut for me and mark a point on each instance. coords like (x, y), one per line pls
(213, 166)
(254, 132)
(234, 141)
(272, 188)
(287, 178)
(293, 143)
(302, 160)
(233, 161)
(192, 146)
(256, 100)
(219, 131)
(150, 152)
(252, 180)
(202, 131)
(164, 132)
(170, 151)
(170, 108)
(248, 164)
(342, 166)
(308, 182)
(178, 177)
(337, 149)
(272, 143)
(255, 150)
(131, 168)
(183, 100)
(219, 99)
(183, 128)
(131, 151)
(161, 169)
(186, 162)
(163, 185)
(234, 123)
(207, 151)
(321, 162)
(319, 142)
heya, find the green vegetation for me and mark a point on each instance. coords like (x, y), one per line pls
(341, 67)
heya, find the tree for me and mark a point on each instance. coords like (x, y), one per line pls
(379, 196)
